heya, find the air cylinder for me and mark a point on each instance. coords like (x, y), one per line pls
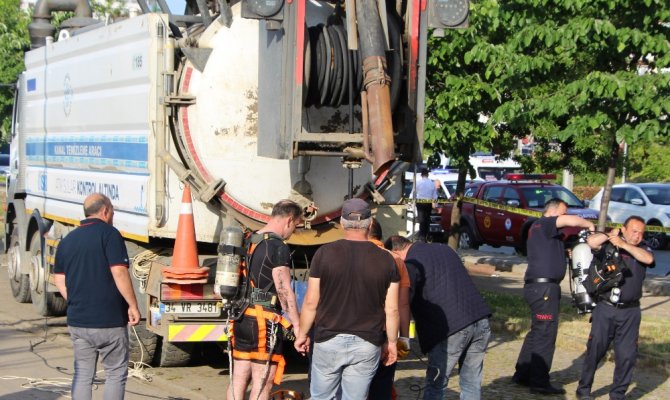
(581, 260)
(228, 263)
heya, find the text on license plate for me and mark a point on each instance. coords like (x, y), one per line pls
(189, 307)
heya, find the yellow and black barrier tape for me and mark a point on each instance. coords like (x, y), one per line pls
(519, 211)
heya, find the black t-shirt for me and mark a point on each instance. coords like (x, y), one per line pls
(268, 254)
(546, 252)
(86, 256)
(354, 278)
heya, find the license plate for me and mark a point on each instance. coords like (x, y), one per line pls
(190, 307)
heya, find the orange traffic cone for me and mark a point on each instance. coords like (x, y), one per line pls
(185, 266)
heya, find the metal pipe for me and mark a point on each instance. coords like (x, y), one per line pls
(377, 84)
(40, 27)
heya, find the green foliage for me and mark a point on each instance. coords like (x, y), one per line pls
(109, 8)
(571, 69)
(564, 71)
(13, 42)
(460, 97)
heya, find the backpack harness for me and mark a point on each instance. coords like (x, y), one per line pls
(605, 272)
(260, 304)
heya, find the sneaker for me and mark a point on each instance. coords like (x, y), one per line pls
(546, 390)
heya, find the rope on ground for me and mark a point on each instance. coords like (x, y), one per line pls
(137, 370)
(59, 386)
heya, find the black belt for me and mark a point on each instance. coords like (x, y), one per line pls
(542, 280)
(629, 304)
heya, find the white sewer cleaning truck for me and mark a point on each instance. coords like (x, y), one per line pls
(246, 102)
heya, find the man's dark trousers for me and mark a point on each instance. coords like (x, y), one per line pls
(537, 352)
(624, 324)
(423, 211)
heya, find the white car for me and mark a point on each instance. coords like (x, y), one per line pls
(650, 201)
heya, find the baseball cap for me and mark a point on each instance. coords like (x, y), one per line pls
(355, 210)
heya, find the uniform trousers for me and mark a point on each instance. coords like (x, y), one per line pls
(620, 326)
(537, 352)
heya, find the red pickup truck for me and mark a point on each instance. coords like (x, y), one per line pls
(503, 225)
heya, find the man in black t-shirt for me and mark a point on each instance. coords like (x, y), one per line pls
(542, 291)
(618, 320)
(352, 302)
(269, 274)
(91, 272)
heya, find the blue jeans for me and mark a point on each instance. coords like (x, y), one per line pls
(344, 362)
(111, 344)
(467, 347)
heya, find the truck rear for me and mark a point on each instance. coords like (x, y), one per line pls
(245, 102)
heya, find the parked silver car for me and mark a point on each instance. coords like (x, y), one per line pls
(651, 201)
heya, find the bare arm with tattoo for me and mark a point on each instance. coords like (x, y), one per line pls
(282, 280)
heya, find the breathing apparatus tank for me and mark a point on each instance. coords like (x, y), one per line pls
(580, 261)
(228, 263)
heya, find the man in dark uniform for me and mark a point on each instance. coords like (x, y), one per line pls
(452, 318)
(618, 320)
(269, 274)
(542, 291)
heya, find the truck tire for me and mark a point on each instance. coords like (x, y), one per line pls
(19, 283)
(47, 304)
(142, 344)
(177, 354)
(467, 239)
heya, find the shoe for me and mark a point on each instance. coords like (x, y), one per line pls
(546, 390)
(520, 382)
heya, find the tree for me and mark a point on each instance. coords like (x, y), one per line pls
(461, 99)
(573, 72)
(109, 9)
(13, 42)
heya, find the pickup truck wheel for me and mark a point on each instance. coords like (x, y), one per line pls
(142, 344)
(177, 354)
(521, 250)
(467, 239)
(19, 283)
(46, 303)
(655, 240)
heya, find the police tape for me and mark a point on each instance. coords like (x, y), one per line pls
(520, 211)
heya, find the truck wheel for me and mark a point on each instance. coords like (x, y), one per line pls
(467, 239)
(46, 303)
(177, 354)
(655, 240)
(142, 344)
(20, 283)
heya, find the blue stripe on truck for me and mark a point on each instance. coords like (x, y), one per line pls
(86, 152)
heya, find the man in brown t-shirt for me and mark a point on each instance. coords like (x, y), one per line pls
(352, 302)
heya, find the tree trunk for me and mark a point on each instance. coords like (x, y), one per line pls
(455, 226)
(607, 191)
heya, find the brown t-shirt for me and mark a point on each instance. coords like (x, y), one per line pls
(354, 277)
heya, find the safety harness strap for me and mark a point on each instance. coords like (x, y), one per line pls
(253, 355)
(261, 354)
